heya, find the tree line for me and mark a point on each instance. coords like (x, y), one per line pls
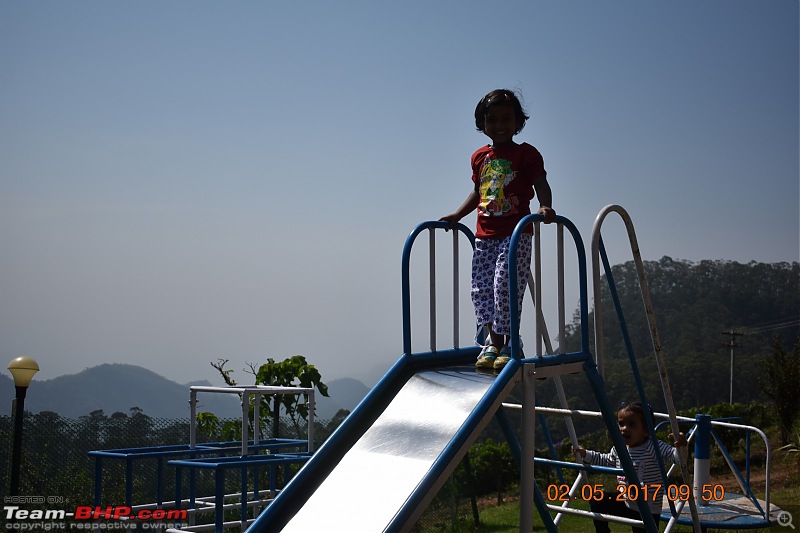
(696, 305)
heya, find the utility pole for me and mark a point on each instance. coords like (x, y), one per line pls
(733, 333)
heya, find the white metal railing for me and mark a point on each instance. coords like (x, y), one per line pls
(245, 393)
(654, 335)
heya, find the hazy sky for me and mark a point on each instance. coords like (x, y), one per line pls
(188, 180)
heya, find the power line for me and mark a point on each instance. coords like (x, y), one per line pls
(771, 325)
(764, 327)
(781, 325)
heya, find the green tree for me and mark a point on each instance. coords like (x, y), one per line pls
(782, 375)
(493, 467)
(211, 429)
(694, 304)
(294, 371)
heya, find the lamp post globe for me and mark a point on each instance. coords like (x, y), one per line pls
(22, 369)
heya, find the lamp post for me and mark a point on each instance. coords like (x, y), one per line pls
(22, 369)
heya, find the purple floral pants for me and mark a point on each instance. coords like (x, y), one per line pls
(490, 292)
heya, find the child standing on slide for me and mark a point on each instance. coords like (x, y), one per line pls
(506, 176)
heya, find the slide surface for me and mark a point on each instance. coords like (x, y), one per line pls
(434, 410)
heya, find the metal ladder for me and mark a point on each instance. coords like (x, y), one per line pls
(549, 362)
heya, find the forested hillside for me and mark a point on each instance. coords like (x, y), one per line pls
(696, 305)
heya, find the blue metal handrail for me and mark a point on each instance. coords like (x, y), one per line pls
(405, 275)
(516, 349)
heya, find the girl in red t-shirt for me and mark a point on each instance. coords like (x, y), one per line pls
(506, 176)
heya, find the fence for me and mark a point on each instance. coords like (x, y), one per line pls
(55, 460)
(56, 464)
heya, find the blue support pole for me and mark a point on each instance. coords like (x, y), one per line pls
(273, 480)
(219, 500)
(516, 452)
(598, 385)
(702, 456)
(243, 505)
(178, 483)
(256, 484)
(550, 446)
(192, 491)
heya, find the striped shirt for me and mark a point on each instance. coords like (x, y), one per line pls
(644, 460)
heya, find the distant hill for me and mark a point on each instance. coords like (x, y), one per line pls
(119, 387)
(116, 388)
(344, 393)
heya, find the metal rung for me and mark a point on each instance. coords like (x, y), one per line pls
(558, 370)
(576, 466)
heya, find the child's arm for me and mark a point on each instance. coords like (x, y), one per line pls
(601, 459)
(671, 452)
(591, 457)
(466, 208)
(545, 194)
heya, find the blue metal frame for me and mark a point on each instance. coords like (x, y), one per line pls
(220, 465)
(406, 275)
(160, 453)
(305, 483)
(634, 365)
(590, 368)
(516, 349)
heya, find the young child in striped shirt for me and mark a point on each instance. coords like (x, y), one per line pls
(633, 427)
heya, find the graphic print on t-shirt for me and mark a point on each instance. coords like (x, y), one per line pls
(496, 174)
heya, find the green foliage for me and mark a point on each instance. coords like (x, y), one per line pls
(694, 304)
(449, 512)
(493, 467)
(794, 445)
(782, 376)
(208, 426)
(211, 428)
(294, 371)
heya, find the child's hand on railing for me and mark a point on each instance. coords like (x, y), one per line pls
(579, 450)
(680, 441)
(548, 213)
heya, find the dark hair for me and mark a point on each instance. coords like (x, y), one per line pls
(638, 409)
(500, 97)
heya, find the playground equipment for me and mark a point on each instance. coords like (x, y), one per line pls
(709, 506)
(385, 463)
(219, 458)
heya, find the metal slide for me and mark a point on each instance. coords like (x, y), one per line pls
(418, 424)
